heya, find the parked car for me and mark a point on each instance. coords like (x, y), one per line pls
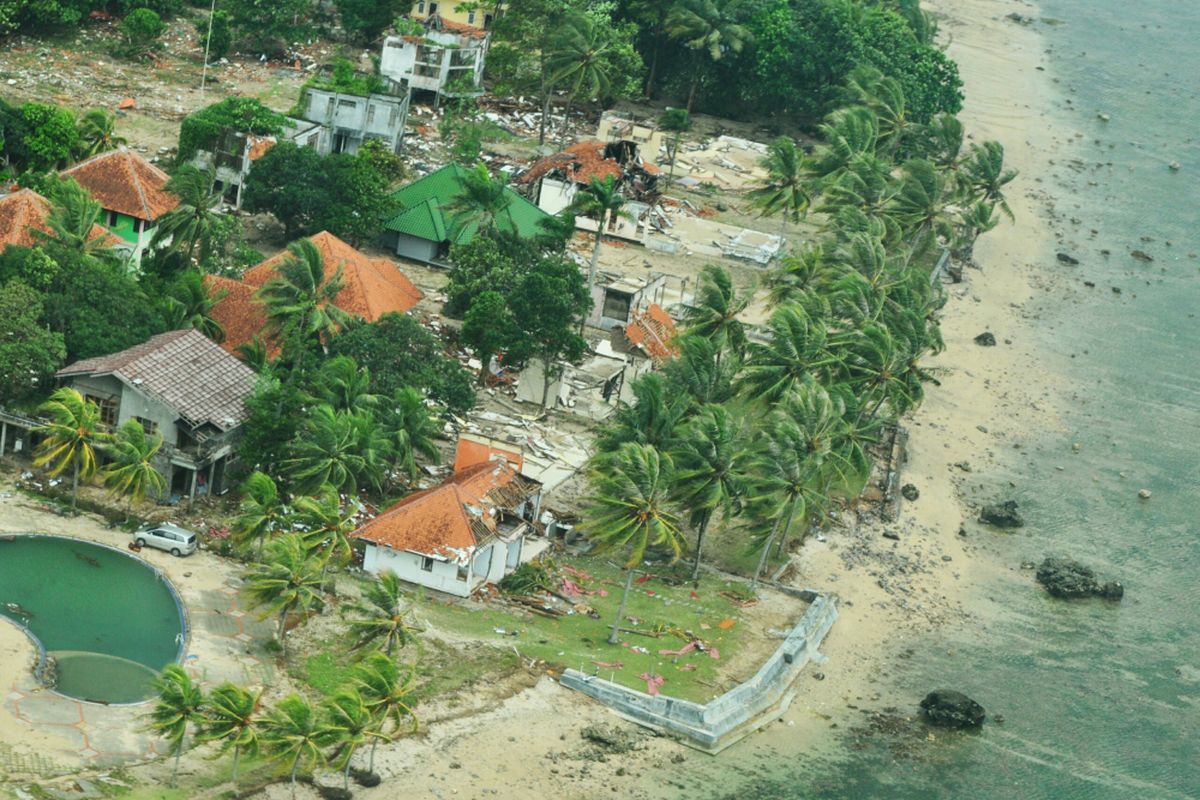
(175, 540)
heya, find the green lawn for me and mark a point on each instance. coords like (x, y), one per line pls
(579, 640)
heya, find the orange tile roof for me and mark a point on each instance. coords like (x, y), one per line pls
(582, 161)
(470, 452)
(24, 211)
(448, 521)
(373, 287)
(653, 331)
(125, 182)
(259, 145)
(461, 28)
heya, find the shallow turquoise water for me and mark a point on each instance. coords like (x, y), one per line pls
(106, 618)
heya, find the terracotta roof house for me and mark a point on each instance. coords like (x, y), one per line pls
(423, 230)
(373, 287)
(552, 182)
(652, 333)
(23, 212)
(182, 385)
(131, 191)
(469, 530)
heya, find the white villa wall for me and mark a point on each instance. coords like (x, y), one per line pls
(487, 566)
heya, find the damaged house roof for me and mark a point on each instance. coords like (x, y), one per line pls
(653, 332)
(124, 182)
(451, 520)
(584, 161)
(24, 211)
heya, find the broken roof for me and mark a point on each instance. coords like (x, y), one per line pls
(185, 370)
(23, 212)
(124, 182)
(424, 202)
(653, 332)
(438, 23)
(583, 161)
(450, 520)
(373, 287)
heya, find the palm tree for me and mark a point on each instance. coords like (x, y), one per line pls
(652, 419)
(783, 191)
(231, 718)
(131, 471)
(179, 704)
(601, 201)
(73, 216)
(630, 509)
(795, 353)
(288, 581)
(382, 617)
(711, 470)
(344, 386)
(299, 301)
(578, 61)
(261, 511)
(190, 304)
(327, 527)
(883, 95)
(974, 220)
(984, 177)
(676, 121)
(707, 26)
(919, 205)
(387, 691)
(482, 202)
(97, 132)
(71, 437)
(350, 725)
(194, 221)
(254, 354)
(846, 134)
(410, 429)
(699, 374)
(714, 311)
(293, 731)
(942, 141)
(799, 275)
(334, 448)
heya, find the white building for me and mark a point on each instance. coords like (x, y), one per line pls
(447, 59)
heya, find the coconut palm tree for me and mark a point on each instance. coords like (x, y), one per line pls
(984, 177)
(341, 449)
(652, 419)
(296, 733)
(299, 302)
(919, 205)
(261, 512)
(714, 311)
(73, 217)
(350, 725)
(630, 509)
(189, 304)
(676, 121)
(343, 385)
(287, 581)
(884, 96)
(178, 705)
(411, 430)
(799, 275)
(601, 201)
(386, 688)
(482, 202)
(973, 220)
(846, 134)
(578, 61)
(231, 719)
(698, 375)
(941, 141)
(327, 527)
(131, 472)
(382, 617)
(194, 221)
(783, 191)
(711, 462)
(710, 27)
(70, 437)
(883, 369)
(254, 354)
(796, 353)
(97, 132)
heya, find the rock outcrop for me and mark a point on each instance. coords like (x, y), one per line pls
(1067, 578)
(1002, 515)
(947, 708)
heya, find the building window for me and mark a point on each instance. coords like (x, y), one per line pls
(616, 305)
(433, 8)
(487, 21)
(370, 113)
(470, 17)
(148, 425)
(108, 409)
(427, 564)
(395, 116)
(421, 7)
(462, 574)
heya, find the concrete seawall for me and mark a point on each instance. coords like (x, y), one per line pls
(726, 719)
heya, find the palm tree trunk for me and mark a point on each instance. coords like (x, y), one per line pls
(371, 760)
(692, 92)
(175, 770)
(612, 637)
(295, 766)
(700, 545)
(649, 87)
(545, 381)
(346, 772)
(762, 559)
(281, 633)
(75, 484)
(237, 755)
(566, 129)
(594, 266)
(545, 117)
(787, 526)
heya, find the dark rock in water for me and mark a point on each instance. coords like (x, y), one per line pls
(891, 535)
(1002, 515)
(1116, 289)
(947, 708)
(986, 339)
(909, 492)
(1065, 577)
(1019, 18)
(1066, 258)
(1142, 255)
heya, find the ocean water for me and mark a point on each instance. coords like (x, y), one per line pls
(1100, 701)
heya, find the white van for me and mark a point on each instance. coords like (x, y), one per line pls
(175, 540)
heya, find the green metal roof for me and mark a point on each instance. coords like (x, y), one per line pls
(423, 216)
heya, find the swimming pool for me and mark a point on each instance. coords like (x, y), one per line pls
(109, 621)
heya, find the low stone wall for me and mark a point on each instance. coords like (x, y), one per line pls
(723, 720)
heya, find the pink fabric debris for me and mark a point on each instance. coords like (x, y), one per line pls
(687, 648)
(652, 682)
(687, 667)
(714, 653)
(643, 579)
(571, 588)
(609, 664)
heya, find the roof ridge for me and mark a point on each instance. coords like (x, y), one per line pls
(137, 181)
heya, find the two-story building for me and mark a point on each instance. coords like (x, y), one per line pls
(132, 192)
(446, 60)
(236, 151)
(180, 384)
(352, 118)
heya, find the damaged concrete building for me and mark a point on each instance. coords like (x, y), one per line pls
(552, 182)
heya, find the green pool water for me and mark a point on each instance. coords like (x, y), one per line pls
(106, 618)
